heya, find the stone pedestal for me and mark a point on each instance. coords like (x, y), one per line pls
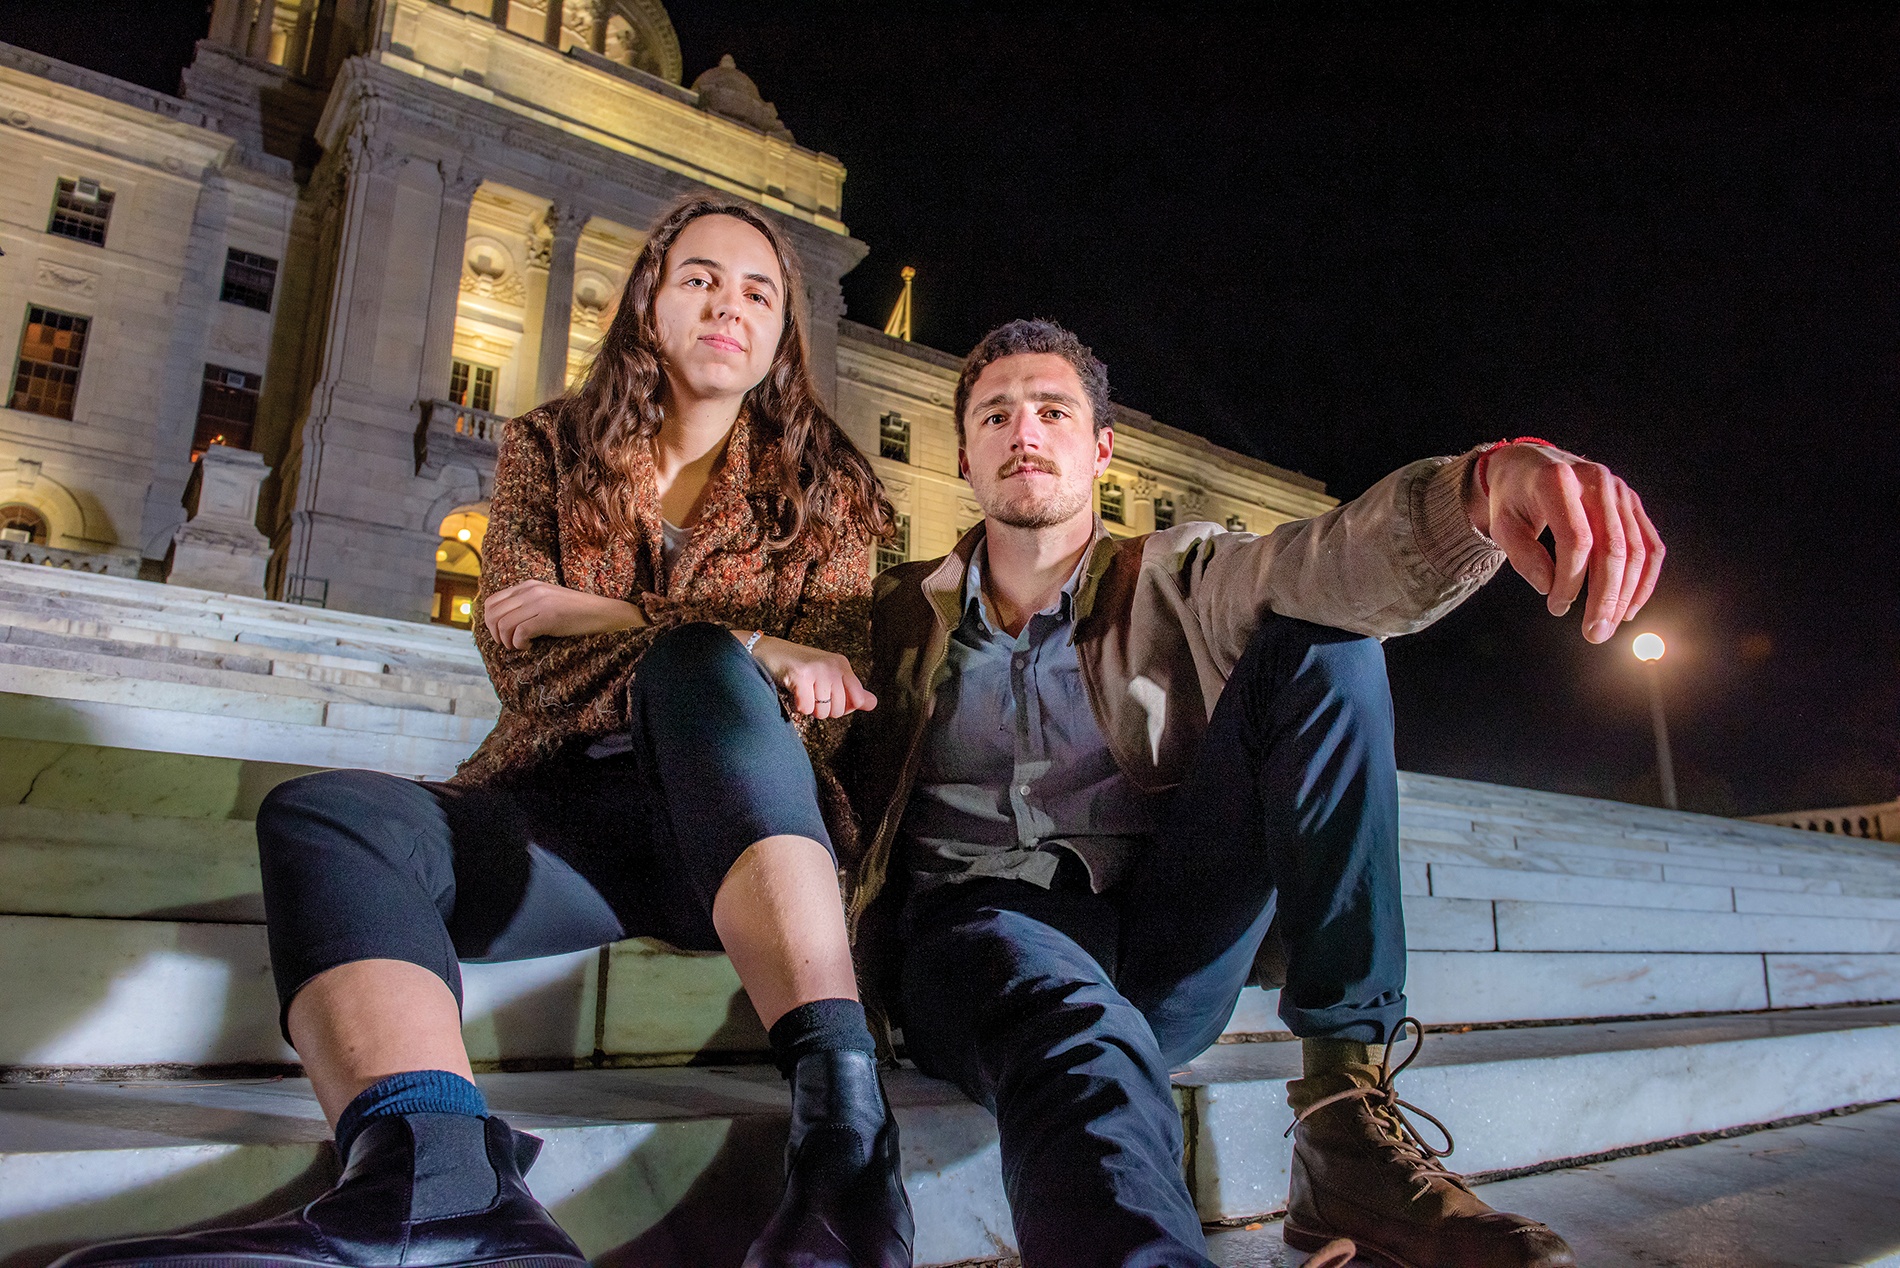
(218, 547)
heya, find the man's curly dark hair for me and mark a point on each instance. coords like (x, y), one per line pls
(1031, 335)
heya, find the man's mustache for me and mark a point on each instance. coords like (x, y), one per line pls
(1028, 462)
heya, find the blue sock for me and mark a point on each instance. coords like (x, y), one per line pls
(416, 1092)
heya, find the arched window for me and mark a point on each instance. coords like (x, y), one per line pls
(1863, 825)
(458, 568)
(22, 523)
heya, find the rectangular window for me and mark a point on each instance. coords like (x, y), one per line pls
(893, 438)
(1112, 503)
(80, 211)
(896, 550)
(249, 279)
(472, 385)
(46, 379)
(227, 409)
(1164, 513)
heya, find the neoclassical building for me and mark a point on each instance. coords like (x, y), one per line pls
(367, 231)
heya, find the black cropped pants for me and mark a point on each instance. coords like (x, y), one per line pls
(359, 865)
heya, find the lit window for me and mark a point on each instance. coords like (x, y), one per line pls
(1164, 513)
(896, 550)
(81, 211)
(22, 524)
(227, 409)
(249, 279)
(1235, 524)
(46, 379)
(472, 385)
(1112, 503)
(893, 438)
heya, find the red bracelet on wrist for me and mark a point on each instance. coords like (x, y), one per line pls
(1484, 485)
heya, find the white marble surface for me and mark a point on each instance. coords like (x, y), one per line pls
(1517, 1098)
(1564, 927)
(1803, 981)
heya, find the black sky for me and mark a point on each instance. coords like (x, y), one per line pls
(1341, 236)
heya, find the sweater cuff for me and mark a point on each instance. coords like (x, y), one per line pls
(1442, 527)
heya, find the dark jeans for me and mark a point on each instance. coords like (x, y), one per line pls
(1063, 1010)
(359, 865)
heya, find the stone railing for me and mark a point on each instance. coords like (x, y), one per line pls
(105, 563)
(452, 434)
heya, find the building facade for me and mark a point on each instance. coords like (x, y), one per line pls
(1875, 822)
(368, 231)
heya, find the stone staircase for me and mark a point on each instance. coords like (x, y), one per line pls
(1602, 975)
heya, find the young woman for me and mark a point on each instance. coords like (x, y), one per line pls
(675, 612)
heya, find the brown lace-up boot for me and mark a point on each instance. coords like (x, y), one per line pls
(1361, 1170)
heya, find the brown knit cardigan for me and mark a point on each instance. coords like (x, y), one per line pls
(560, 694)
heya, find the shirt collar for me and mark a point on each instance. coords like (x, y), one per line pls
(976, 606)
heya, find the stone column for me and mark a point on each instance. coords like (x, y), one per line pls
(445, 289)
(261, 31)
(227, 23)
(564, 222)
(219, 547)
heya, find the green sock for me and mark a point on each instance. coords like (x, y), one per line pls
(1327, 1056)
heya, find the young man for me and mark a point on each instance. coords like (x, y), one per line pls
(1099, 768)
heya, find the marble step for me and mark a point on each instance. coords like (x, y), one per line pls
(681, 1166)
(1520, 1097)
(166, 669)
(1813, 1194)
(179, 989)
(28, 589)
(76, 708)
(87, 995)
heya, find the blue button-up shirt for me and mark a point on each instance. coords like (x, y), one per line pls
(1014, 767)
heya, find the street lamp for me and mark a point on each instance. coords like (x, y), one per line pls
(1649, 649)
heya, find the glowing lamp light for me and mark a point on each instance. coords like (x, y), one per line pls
(465, 608)
(1647, 647)
(463, 535)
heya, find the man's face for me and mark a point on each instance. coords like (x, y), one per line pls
(1030, 449)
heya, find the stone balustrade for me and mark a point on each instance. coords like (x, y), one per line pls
(104, 563)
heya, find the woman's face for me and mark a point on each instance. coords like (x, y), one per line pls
(720, 308)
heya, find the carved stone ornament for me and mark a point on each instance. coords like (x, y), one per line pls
(64, 277)
(1194, 502)
(729, 92)
(593, 296)
(1145, 484)
(489, 272)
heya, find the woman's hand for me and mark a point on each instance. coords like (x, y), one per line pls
(822, 683)
(528, 610)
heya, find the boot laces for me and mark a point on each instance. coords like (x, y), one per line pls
(1402, 1138)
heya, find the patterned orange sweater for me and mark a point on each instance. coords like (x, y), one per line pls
(562, 693)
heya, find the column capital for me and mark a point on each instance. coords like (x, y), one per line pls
(565, 220)
(460, 181)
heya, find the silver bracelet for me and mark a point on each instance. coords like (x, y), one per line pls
(753, 641)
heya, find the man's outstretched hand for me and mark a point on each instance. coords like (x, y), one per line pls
(1597, 525)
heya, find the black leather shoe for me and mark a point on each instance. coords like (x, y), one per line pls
(844, 1203)
(416, 1193)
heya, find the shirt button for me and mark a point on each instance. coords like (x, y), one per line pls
(1023, 789)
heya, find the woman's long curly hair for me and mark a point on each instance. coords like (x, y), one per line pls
(822, 477)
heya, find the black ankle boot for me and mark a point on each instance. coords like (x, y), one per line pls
(452, 1210)
(844, 1203)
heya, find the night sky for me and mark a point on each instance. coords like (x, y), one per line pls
(1342, 236)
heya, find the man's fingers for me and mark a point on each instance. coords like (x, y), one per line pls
(1653, 552)
(1570, 535)
(1609, 553)
(1638, 551)
(804, 695)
